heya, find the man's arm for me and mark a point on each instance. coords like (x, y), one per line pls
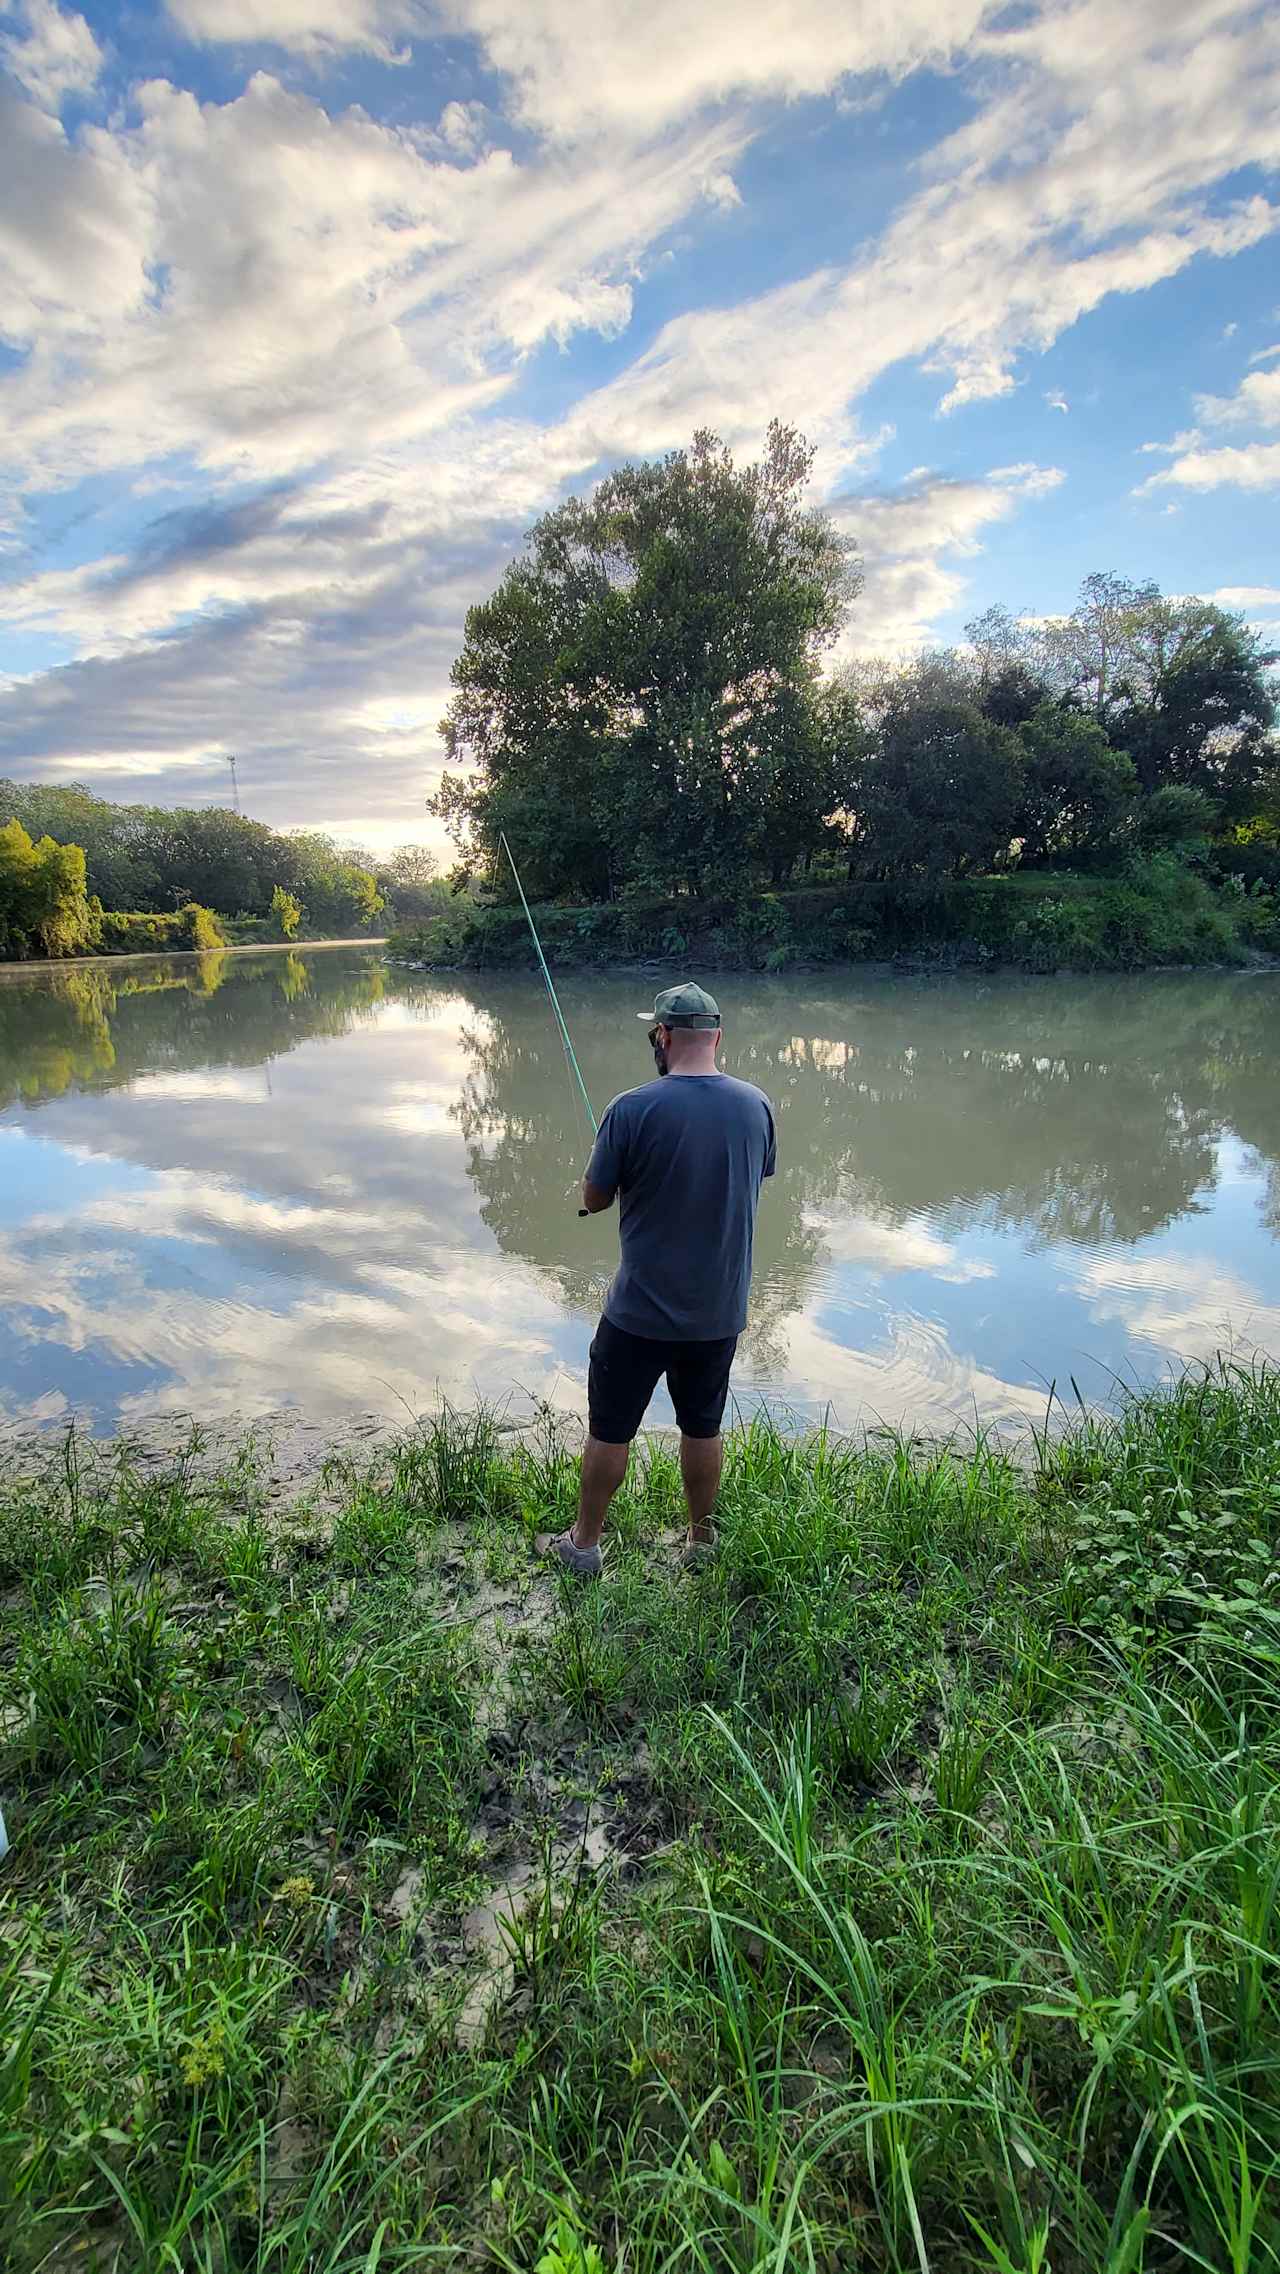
(771, 1143)
(604, 1169)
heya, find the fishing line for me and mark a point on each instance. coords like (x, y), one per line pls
(569, 1051)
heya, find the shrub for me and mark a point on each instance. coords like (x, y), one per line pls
(1055, 932)
(44, 909)
(1258, 919)
(1162, 912)
(286, 911)
(189, 927)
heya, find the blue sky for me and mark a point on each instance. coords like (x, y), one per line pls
(309, 307)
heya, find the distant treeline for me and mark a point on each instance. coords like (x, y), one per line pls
(78, 873)
(644, 707)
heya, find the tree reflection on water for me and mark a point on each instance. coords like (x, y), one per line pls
(99, 1025)
(1088, 1111)
(978, 1179)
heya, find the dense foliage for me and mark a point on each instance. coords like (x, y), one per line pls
(640, 708)
(44, 909)
(1156, 911)
(899, 1892)
(149, 860)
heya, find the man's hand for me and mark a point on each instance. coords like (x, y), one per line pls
(594, 1202)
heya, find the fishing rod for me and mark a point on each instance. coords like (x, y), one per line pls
(569, 1050)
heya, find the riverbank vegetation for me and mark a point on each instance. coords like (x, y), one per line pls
(1156, 912)
(80, 876)
(649, 710)
(900, 1890)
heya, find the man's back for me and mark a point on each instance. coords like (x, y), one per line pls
(686, 1156)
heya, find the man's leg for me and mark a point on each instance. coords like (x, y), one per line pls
(623, 1371)
(701, 1460)
(698, 1379)
(603, 1469)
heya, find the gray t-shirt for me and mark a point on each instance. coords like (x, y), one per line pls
(686, 1155)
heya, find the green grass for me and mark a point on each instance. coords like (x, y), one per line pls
(901, 1892)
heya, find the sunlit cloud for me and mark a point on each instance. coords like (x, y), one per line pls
(315, 366)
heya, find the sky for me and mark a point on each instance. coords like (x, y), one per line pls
(308, 308)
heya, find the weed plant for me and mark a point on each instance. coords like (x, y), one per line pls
(899, 1892)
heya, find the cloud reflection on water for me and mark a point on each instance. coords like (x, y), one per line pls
(303, 1181)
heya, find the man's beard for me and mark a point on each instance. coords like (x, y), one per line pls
(660, 1058)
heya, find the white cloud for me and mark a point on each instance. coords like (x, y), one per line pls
(1248, 466)
(462, 126)
(53, 55)
(1034, 213)
(905, 538)
(323, 321)
(722, 190)
(1256, 402)
(325, 287)
(1265, 598)
(76, 228)
(307, 27)
(1251, 466)
(615, 67)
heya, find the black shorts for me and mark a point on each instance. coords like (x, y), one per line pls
(623, 1376)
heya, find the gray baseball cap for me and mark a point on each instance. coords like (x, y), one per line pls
(686, 1005)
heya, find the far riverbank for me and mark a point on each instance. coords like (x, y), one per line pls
(186, 955)
(1162, 915)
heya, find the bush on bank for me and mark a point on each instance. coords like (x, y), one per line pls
(1157, 912)
(189, 927)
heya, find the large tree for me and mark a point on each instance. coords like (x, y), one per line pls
(634, 706)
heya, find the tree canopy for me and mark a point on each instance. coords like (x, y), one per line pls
(637, 702)
(1180, 685)
(642, 706)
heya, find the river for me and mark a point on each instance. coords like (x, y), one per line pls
(232, 1185)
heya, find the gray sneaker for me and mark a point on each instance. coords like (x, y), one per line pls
(586, 1563)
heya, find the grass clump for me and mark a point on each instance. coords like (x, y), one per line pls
(900, 1891)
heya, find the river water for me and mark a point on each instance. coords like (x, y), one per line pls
(236, 1184)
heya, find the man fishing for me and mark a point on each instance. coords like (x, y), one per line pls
(685, 1157)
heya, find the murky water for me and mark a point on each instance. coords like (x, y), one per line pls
(242, 1183)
